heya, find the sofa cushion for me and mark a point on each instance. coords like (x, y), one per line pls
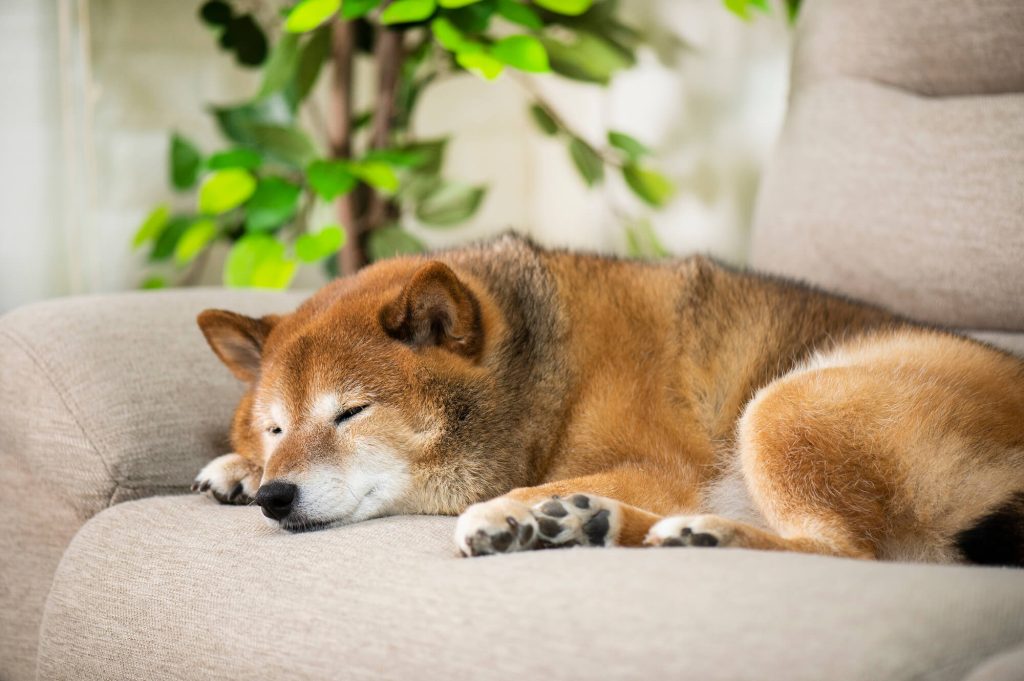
(104, 398)
(897, 177)
(1010, 342)
(114, 397)
(971, 47)
(180, 587)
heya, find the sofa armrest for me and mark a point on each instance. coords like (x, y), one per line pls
(115, 397)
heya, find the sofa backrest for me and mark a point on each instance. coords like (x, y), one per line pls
(899, 175)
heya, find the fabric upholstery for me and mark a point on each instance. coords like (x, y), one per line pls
(971, 47)
(124, 386)
(1007, 666)
(897, 178)
(104, 399)
(183, 588)
(1011, 342)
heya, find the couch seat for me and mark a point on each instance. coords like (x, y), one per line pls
(181, 588)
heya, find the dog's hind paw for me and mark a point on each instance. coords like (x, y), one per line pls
(692, 530)
(230, 479)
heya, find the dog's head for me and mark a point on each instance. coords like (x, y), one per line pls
(356, 401)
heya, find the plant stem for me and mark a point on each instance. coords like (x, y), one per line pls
(388, 54)
(342, 50)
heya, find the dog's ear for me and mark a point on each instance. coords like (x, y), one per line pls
(238, 340)
(436, 309)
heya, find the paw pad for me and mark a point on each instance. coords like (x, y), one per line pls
(688, 537)
(700, 530)
(578, 520)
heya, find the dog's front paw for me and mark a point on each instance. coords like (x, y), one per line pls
(578, 520)
(505, 525)
(230, 479)
(692, 530)
(500, 525)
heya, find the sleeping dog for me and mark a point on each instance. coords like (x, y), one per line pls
(553, 399)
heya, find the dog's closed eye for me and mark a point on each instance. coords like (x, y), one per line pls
(347, 414)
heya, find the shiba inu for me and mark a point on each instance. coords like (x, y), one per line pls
(553, 399)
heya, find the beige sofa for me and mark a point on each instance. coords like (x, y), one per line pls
(899, 178)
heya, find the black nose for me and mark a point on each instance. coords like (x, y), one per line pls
(276, 498)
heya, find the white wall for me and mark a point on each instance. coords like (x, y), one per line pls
(73, 199)
(33, 260)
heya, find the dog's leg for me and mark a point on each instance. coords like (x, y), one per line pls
(809, 452)
(557, 514)
(230, 479)
(716, 531)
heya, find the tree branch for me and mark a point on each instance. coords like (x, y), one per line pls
(388, 54)
(342, 52)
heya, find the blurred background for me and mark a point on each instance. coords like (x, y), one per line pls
(94, 89)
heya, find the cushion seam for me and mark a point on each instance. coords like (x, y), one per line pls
(803, 82)
(66, 402)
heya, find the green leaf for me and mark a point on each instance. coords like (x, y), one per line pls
(185, 160)
(225, 189)
(632, 148)
(245, 37)
(312, 56)
(407, 11)
(519, 14)
(237, 122)
(234, 158)
(643, 242)
(740, 8)
(587, 161)
(273, 203)
(285, 143)
(361, 120)
(589, 58)
(792, 10)
(152, 226)
(448, 36)
(544, 121)
(454, 4)
(760, 5)
(168, 239)
(330, 179)
(472, 19)
(377, 174)
(355, 9)
(280, 68)
(216, 13)
(568, 7)
(391, 241)
(430, 153)
(153, 282)
(449, 204)
(417, 186)
(523, 52)
(315, 247)
(258, 260)
(308, 14)
(194, 239)
(649, 185)
(480, 63)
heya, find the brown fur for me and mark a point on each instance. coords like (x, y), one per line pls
(506, 369)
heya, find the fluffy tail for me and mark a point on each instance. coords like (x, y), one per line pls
(997, 538)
